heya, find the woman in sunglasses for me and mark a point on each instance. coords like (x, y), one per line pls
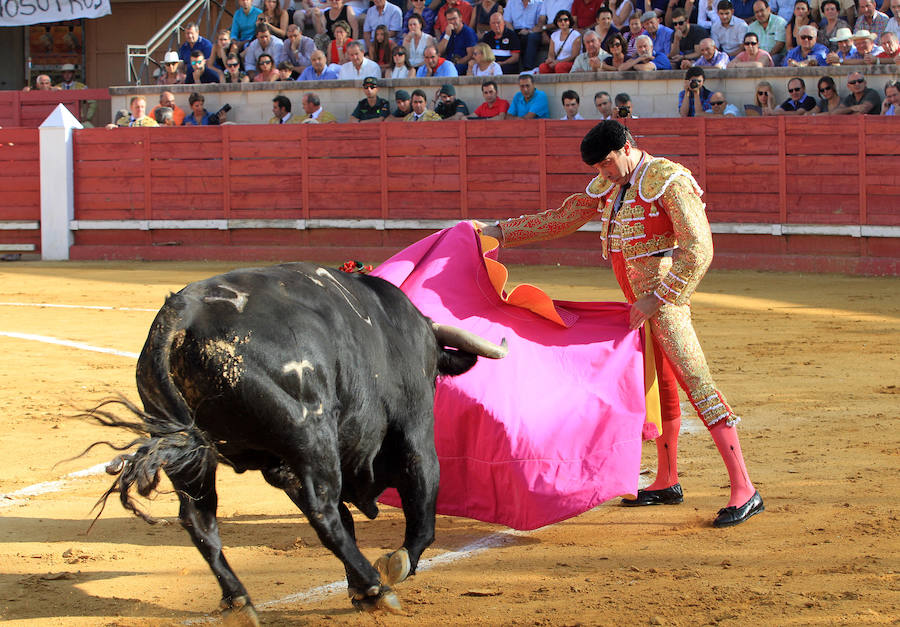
(829, 99)
(170, 73)
(233, 72)
(565, 45)
(617, 47)
(267, 72)
(400, 67)
(765, 100)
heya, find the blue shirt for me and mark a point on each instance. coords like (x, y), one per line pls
(661, 60)
(208, 76)
(818, 51)
(522, 17)
(456, 46)
(427, 14)
(309, 74)
(444, 69)
(207, 120)
(538, 105)
(743, 10)
(203, 44)
(662, 43)
(705, 95)
(243, 26)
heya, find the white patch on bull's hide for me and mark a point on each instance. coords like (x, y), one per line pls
(318, 411)
(239, 300)
(298, 367)
(344, 292)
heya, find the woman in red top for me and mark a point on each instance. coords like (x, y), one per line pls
(338, 49)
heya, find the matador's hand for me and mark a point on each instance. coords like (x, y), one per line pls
(643, 309)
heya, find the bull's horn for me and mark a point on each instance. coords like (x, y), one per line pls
(468, 341)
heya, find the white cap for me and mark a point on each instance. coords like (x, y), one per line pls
(171, 57)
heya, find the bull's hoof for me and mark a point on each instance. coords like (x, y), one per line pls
(393, 567)
(239, 613)
(375, 599)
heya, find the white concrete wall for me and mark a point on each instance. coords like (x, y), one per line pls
(653, 94)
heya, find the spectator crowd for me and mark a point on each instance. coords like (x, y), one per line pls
(292, 40)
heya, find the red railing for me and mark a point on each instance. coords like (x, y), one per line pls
(30, 108)
(810, 171)
(20, 190)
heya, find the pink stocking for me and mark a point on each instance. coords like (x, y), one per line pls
(726, 440)
(667, 455)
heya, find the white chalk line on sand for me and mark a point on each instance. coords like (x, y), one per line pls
(55, 340)
(20, 496)
(62, 306)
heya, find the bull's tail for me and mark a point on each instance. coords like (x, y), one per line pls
(164, 443)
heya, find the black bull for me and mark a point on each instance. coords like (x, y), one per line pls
(321, 380)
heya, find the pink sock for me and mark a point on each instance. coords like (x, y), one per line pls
(726, 439)
(667, 455)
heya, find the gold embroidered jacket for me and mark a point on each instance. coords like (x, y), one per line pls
(661, 211)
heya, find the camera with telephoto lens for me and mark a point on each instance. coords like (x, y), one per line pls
(694, 84)
(623, 112)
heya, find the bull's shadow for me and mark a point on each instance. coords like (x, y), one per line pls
(57, 594)
(245, 530)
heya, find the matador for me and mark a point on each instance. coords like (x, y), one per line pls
(654, 231)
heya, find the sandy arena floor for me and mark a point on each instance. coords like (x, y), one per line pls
(811, 362)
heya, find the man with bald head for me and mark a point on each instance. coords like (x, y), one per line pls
(861, 100)
(167, 99)
(41, 83)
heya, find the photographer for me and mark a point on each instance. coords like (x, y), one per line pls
(623, 109)
(694, 93)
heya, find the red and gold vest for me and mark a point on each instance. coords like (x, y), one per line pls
(640, 228)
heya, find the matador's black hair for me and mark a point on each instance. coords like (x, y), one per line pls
(601, 140)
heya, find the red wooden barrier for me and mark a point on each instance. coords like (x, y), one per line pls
(30, 108)
(837, 174)
(20, 190)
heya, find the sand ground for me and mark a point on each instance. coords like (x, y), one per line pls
(810, 362)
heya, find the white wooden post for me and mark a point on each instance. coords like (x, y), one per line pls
(57, 183)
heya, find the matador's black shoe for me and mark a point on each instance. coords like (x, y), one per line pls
(733, 515)
(667, 496)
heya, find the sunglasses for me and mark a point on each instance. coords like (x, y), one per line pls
(856, 81)
(751, 43)
(563, 19)
(794, 90)
(678, 23)
(399, 54)
(615, 44)
(717, 103)
(265, 63)
(196, 62)
(826, 88)
(762, 93)
(171, 62)
(233, 64)
(806, 37)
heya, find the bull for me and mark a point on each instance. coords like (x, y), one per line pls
(323, 381)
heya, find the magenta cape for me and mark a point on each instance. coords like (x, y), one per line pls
(550, 431)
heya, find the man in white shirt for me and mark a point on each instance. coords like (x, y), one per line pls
(383, 13)
(358, 67)
(570, 102)
(728, 32)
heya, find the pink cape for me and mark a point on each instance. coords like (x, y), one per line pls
(550, 431)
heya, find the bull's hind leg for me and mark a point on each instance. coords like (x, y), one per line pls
(316, 491)
(198, 516)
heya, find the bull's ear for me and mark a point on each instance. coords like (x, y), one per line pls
(454, 362)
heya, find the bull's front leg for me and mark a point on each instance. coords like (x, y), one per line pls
(417, 484)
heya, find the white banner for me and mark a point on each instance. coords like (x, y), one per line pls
(25, 12)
